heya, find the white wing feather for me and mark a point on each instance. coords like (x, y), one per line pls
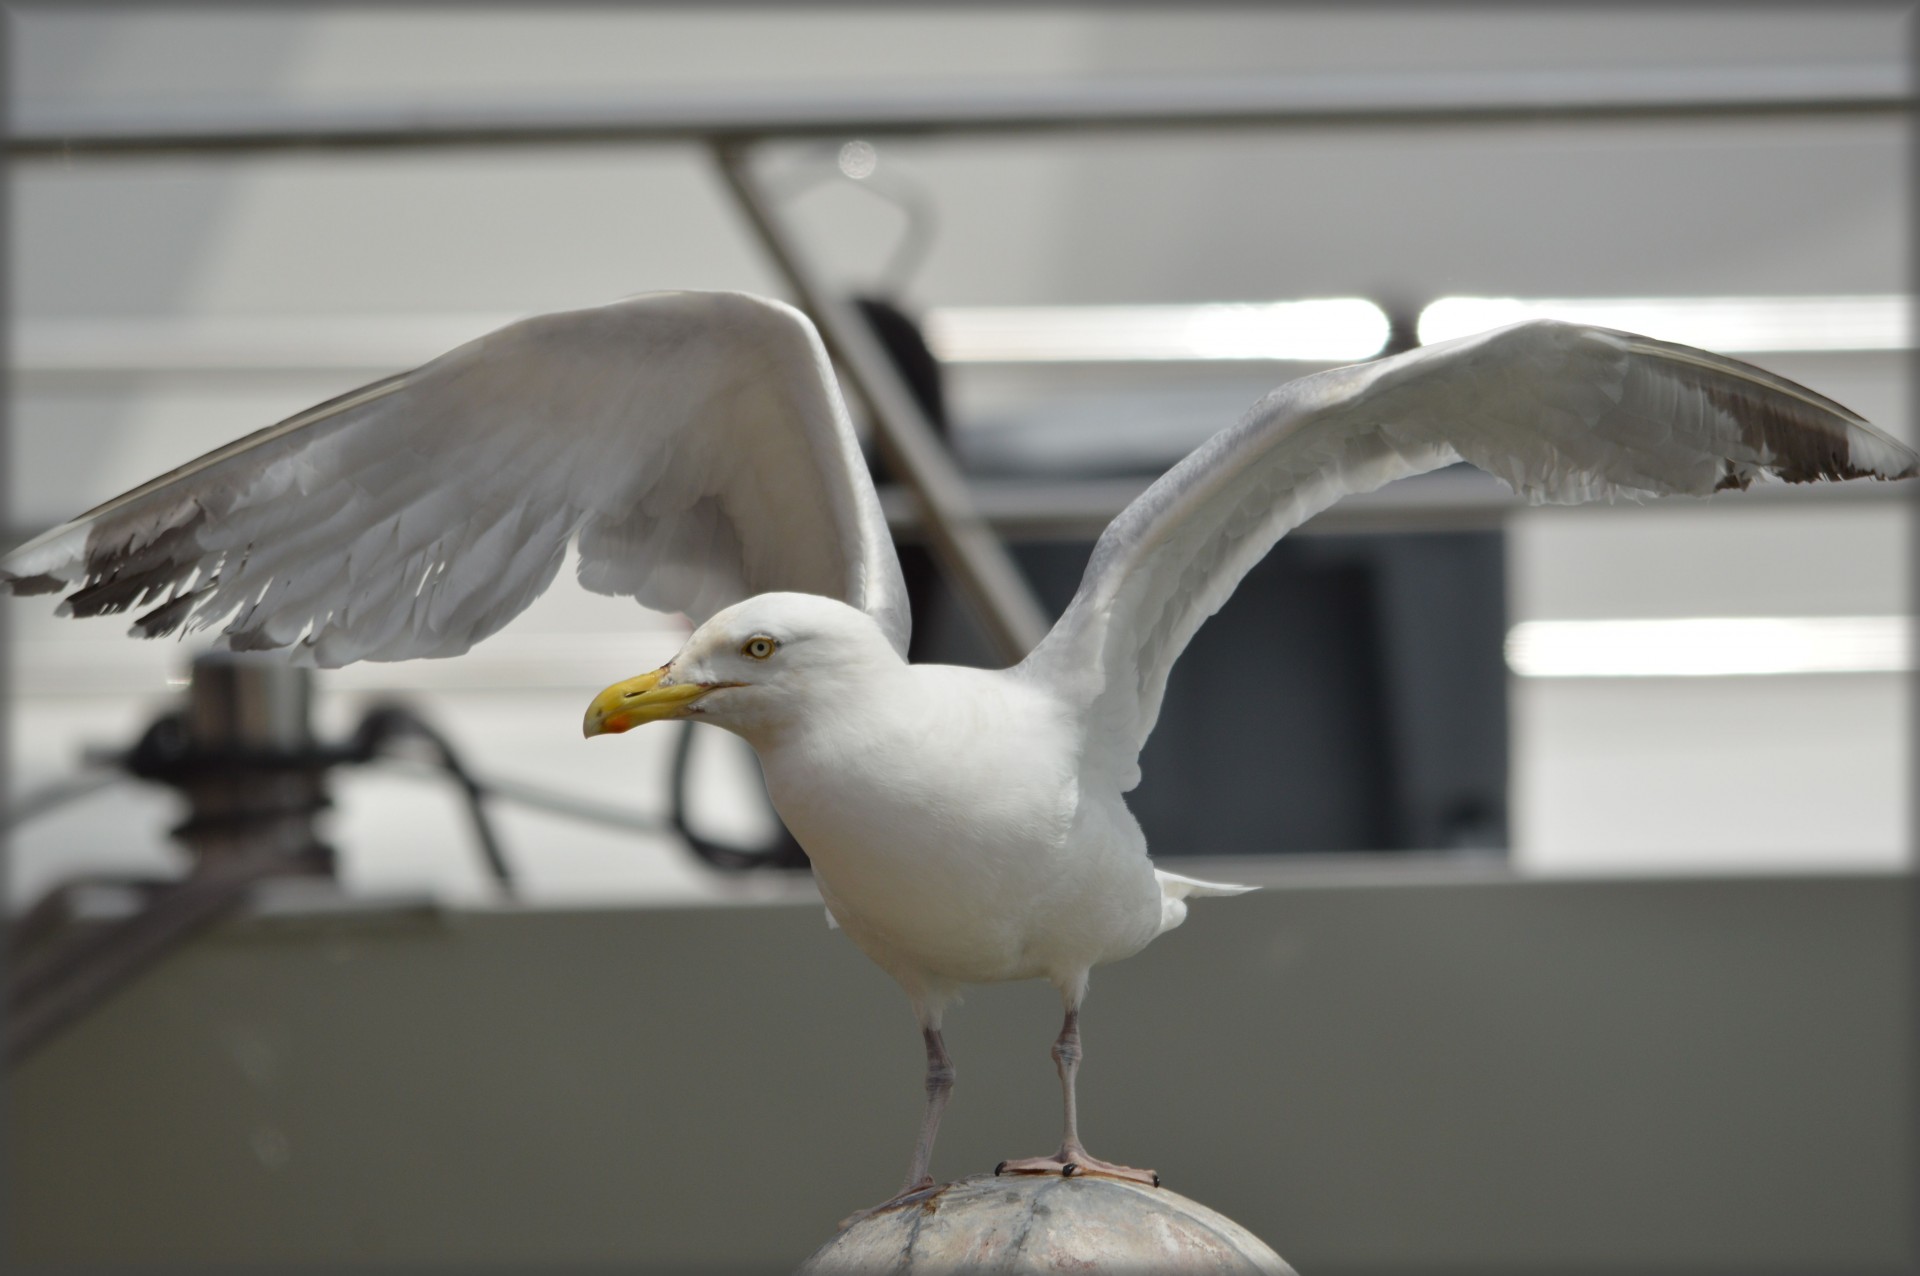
(694, 444)
(1560, 412)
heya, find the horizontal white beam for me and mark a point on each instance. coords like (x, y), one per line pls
(1729, 325)
(1325, 330)
(1710, 646)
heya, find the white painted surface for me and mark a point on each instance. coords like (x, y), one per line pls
(1721, 773)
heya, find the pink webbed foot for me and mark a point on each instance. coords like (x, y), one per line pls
(925, 1189)
(1070, 1163)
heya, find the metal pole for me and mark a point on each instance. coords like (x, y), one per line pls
(251, 709)
(1349, 100)
(967, 547)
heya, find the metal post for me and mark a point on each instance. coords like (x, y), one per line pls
(243, 752)
(966, 545)
(251, 713)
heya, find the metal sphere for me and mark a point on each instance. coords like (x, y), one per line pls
(1030, 1223)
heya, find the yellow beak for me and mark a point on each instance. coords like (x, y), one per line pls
(626, 705)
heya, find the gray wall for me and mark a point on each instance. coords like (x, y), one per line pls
(1386, 1076)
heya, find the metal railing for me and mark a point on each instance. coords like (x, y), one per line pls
(42, 131)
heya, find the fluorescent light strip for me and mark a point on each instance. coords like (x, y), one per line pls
(1710, 646)
(1726, 324)
(1328, 330)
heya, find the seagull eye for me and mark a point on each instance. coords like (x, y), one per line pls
(759, 648)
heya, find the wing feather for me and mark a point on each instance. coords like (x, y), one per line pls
(1561, 412)
(693, 445)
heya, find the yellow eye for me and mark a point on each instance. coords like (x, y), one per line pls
(759, 648)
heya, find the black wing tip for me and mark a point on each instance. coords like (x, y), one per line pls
(1847, 467)
(27, 586)
(1912, 469)
(244, 640)
(121, 590)
(165, 618)
(1841, 474)
(1878, 476)
(1801, 473)
(1800, 436)
(1733, 478)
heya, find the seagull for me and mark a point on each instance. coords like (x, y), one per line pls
(964, 825)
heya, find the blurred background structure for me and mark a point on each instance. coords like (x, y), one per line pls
(1587, 830)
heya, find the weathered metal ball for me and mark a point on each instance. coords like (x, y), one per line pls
(1031, 1223)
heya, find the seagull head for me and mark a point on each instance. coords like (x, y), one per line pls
(758, 665)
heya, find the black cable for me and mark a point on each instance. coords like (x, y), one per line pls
(539, 797)
(569, 806)
(782, 852)
(385, 723)
(382, 725)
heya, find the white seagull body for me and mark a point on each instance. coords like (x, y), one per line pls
(964, 825)
(945, 817)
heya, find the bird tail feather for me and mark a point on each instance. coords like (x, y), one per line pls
(1175, 891)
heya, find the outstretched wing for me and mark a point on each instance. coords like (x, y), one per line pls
(694, 444)
(1562, 413)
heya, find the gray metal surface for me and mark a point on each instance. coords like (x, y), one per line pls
(1318, 101)
(1441, 1072)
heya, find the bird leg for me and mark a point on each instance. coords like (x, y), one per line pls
(920, 1184)
(939, 1086)
(1072, 1158)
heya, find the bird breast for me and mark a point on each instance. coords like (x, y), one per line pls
(943, 815)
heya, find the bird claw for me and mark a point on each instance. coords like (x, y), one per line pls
(924, 1190)
(1078, 1165)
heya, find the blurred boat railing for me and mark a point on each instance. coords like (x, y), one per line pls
(59, 131)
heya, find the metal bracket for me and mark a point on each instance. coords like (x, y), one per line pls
(966, 545)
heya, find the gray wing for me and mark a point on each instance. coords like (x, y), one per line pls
(693, 444)
(1563, 413)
